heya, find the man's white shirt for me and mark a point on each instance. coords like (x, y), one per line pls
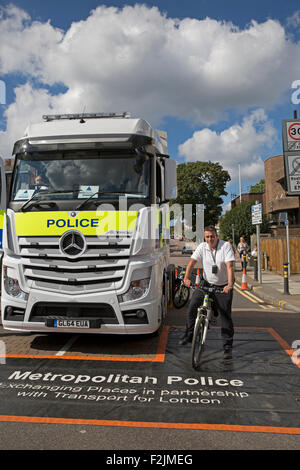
(218, 257)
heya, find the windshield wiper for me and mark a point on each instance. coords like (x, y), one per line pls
(42, 203)
(44, 193)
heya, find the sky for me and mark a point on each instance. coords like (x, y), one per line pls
(217, 75)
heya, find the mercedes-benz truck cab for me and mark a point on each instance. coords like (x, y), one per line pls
(86, 227)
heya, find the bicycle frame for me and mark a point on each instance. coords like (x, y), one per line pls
(204, 315)
(207, 307)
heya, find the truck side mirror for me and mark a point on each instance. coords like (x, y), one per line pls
(170, 179)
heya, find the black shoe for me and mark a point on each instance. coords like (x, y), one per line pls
(185, 340)
(227, 353)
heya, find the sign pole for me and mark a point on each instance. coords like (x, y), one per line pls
(288, 245)
(240, 183)
(258, 253)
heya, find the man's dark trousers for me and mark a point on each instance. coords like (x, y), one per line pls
(222, 304)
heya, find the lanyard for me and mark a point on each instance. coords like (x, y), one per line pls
(214, 256)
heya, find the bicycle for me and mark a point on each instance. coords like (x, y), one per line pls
(182, 292)
(203, 320)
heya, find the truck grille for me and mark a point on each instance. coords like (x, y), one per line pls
(46, 310)
(101, 267)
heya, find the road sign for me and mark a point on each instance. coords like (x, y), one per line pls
(291, 150)
(292, 172)
(256, 213)
(291, 135)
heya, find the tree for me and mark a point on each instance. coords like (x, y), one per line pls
(258, 187)
(240, 217)
(202, 183)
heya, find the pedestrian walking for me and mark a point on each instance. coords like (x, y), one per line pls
(242, 249)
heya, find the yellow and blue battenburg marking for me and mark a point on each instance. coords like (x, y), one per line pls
(91, 223)
(2, 213)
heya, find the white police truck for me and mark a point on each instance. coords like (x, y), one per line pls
(86, 227)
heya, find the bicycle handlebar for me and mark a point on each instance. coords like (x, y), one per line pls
(217, 290)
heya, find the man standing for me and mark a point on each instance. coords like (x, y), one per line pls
(217, 258)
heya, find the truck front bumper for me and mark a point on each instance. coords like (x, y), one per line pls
(113, 318)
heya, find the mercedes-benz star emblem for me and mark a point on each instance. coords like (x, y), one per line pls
(72, 244)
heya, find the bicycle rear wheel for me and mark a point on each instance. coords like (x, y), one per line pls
(181, 296)
(198, 340)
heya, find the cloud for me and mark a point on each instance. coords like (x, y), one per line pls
(24, 42)
(29, 106)
(138, 59)
(294, 19)
(242, 144)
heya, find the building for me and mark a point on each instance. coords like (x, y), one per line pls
(278, 205)
(275, 203)
(252, 197)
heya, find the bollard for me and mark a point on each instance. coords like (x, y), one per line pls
(286, 278)
(244, 261)
(255, 269)
(265, 257)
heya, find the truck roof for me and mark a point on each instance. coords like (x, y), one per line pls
(55, 128)
(91, 128)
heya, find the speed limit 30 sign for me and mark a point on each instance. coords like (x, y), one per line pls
(294, 131)
(291, 135)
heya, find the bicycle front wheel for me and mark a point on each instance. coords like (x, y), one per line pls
(181, 296)
(198, 340)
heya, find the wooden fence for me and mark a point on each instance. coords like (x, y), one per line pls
(276, 251)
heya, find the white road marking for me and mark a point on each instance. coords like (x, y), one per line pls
(68, 344)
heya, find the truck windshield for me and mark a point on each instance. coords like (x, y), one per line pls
(80, 176)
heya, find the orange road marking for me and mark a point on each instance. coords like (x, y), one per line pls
(159, 355)
(100, 422)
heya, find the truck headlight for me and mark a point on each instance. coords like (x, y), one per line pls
(137, 289)
(12, 287)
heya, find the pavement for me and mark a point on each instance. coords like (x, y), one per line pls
(271, 289)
